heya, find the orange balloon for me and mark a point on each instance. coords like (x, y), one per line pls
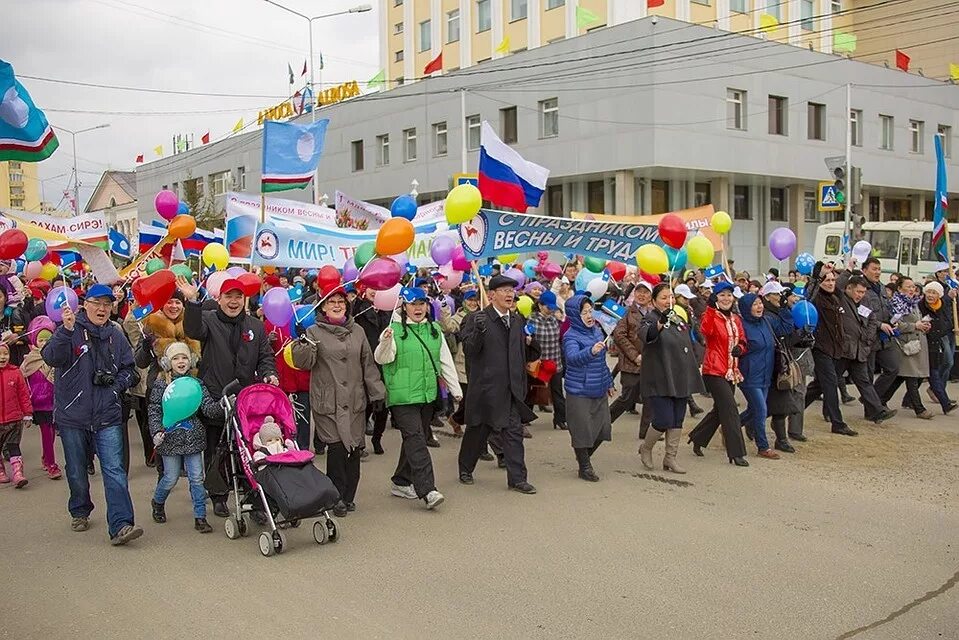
(269, 269)
(395, 236)
(182, 226)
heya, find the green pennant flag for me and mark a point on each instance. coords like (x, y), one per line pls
(585, 17)
(379, 80)
(843, 42)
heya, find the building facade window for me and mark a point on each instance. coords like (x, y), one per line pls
(774, 8)
(409, 145)
(596, 196)
(453, 26)
(916, 129)
(507, 121)
(383, 150)
(778, 111)
(554, 200)
(835, 6)
(737, 6)
(554, 4)
(426, 36)
(777, 204)
(398, 28)
(398, 56)
(240, 180)
(735, 109)
(518, 10)
(855, 127)
(439, 139)
(220, 183)
(397, 3)
(945, 134)
(705, 2)
(741, 203)
(356, 155)
(473, 128)
(815, 121)
(702, 194)
(809, 207)
(484, 20)
(807, 10)
(887, 133)
(549, 118)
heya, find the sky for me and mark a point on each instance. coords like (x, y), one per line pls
(225, 47)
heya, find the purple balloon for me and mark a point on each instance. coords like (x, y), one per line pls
(381, 274)
(451, 303)
(277, 306)
(442, 249)
(58, 298)
(401, 259)
(782, 243)
(235, 272)
(517, 275)
(437, 309)
(350, 272)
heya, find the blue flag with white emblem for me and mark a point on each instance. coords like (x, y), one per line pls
(291, 153)
(25, 134)
(119, 244)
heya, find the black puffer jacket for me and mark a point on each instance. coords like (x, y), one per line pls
(190, 436)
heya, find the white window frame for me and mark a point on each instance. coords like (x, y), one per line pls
(815, 119)
(409, 145)
(887, 132)
(810, 210)
(383, 150)
(855, 127)
(548, 118)
(426, 35)
(775, 9)
(440, 139)
(555, 4)
(916, 131)
(520, 7)
(736, 100)
(480, 27)
(398, 56)
(240, 180)
(453, 26)
(807, 9)
(835, 6)
(473, 129)
(738, 6)
(397, 28)
(220, 183)
(944, 131)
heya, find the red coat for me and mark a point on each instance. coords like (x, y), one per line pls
(14, 395)
(715, 328)
(291, 380)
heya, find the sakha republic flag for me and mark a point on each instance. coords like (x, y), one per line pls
(291, 153)
(940, 213)
(505, 178)
(25, 134)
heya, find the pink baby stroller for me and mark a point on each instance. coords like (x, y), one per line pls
(284, 488)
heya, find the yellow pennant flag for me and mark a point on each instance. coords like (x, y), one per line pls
(954, 71)
(767, 23)
(238, 126)
(158, 150)
(503, 46)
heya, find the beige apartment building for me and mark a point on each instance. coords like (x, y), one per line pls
(468, 32)
(19, 186)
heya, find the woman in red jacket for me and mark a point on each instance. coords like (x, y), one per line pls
(725, 343)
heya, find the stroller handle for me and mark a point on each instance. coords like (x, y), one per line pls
(232, 388)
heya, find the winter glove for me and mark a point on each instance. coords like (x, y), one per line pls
(158, 439)
(480, 321)
(737, 351)
(377, 406)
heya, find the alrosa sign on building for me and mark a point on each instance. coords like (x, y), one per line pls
(297, 105)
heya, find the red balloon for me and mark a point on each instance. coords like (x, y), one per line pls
(13, 242)
(617, 270)
(251, 283)
(155, 289)
(328, 278)
(53, 258)
(672, 230)
(649, 277)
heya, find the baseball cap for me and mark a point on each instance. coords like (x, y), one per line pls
(100, 291)
(771, 287)
(231, 284)
(643, 283)
(942, 266)
(412, 294)
(706, 284)
(684, 291)
(548, 298)
(469, 295)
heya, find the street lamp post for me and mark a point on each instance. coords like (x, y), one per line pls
(76, 173)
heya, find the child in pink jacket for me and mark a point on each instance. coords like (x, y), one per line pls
(16, 413)
(39, 377)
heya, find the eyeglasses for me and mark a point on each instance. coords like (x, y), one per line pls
(100, 304)
(341, 303)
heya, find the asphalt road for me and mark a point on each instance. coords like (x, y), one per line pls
(849, 538)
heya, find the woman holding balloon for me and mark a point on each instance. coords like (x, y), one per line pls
(13, 328)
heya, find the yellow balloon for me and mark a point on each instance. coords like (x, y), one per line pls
(288, 356)
(524, 304)
(215, 255)
(681, 312)
(49, 271)
(651, 258)
(721, 222)
(508, 258)
(700, 251)
(463, 203)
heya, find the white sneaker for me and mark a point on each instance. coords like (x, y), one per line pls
(434, 499)
(407, 492)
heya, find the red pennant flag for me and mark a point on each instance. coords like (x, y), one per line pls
(140, 159)
(652, 4)
(303, 73)
(434, 65)
(902, 60)
(205, 139)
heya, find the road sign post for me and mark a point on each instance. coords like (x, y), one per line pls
(828, 198)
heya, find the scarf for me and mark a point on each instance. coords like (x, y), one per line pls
(935, 306)
(236, 330)
(903, 305)
(732, 339)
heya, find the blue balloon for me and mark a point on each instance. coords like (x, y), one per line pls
(677, 258)
(805, 315)
(584, 278)
(529, 268)
(305, 315)
(20, 265)
(182, 208)
(805, 263)
(403, 207)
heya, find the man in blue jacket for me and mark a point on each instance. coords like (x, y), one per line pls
(94, 367)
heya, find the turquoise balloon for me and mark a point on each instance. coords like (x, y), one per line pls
(36, 249)
(677, 258)
(181, 400)
(182, 270)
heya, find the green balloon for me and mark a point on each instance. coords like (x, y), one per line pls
(181, 399)
(155, 265)
(182, 270)
(596, 265)
(364, 253)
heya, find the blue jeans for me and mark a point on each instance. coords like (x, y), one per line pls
(78, 448)
(755, 414)
(939, 375)
(193, 463)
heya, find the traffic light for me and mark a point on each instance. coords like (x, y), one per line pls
(839, 185)
(855, 185)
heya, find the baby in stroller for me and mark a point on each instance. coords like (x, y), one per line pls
(269, 440)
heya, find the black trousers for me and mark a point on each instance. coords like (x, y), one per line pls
(558, 398)
(628, 397)
(825, 383)
(913, 399)
(214, 434)
(724, 413)
(507, 437)
(343, 468)
(459, 416)
(301, 414)
(859, 374)
(415, 466)
(888, 360)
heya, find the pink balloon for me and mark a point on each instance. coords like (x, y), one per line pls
(401, 259)
(215, 281)
(236, 272)
(458, 258)
(517, 275)
(451, 277)
(166, 204)
(32, 270)
(381, 274)
(551, 270)
(387, 300)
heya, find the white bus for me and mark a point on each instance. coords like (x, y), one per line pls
(903, 247)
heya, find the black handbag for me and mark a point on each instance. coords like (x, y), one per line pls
(786, 371)
(439, 404)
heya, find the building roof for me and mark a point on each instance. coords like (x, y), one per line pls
(126, 180)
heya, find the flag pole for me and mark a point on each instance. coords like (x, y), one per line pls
(952, 277)
(484, 298)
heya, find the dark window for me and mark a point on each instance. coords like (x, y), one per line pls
(832, 245)
(741, 203)
(777, 204)
(554, 198)
(507, 119)
(596, 196)
(356, 149)
(660, 196)
(778, 110)
(702, 194)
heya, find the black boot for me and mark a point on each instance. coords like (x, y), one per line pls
(694, 409)
(220, 509)
(201, 525)
(377, 446)
(585, 467)
(779, 428)
(159, 512)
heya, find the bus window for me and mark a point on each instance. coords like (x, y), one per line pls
(905, 253)
(885, 244)
(915, 251)
(927, 253)
(832, 245)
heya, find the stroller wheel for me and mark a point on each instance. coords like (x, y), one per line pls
(232, 527)
(279, 541)
(265, 542)
(331, 527)
(244, 525)
(320, 533)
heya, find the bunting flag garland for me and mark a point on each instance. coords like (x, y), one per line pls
(954, 72)
(843, 42)
(205, 138)
(436, 64)
(503, 46)
(238, 126)
(303, 73)
(25, 134)
(158, 150)
(902, 60)
(652, 4)
(290, 69)
(585, 17)
(139, 159)
(767, 23)
(379, 80)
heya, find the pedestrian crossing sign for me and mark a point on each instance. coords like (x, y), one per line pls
(827, 197)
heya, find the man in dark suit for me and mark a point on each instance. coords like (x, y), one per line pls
(497, 349)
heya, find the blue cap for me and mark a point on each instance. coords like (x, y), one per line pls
(100, 291)
(419, 282)
(412, 294)
(469, 295)
(548, 298)
(723, 286)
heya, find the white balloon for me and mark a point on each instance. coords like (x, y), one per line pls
(597, 288)
(443, 226)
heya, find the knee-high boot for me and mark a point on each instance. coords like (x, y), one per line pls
(779, 428)
(585, 466)
(646, 448)
(672, 448)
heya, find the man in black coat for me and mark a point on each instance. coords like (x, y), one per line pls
(497, 349)
(234, 347)
(373, 322)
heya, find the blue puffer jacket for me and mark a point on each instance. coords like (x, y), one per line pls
(757, 363)
(586, 375)
(76, 355)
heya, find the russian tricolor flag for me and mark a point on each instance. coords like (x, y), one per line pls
(505, 178)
